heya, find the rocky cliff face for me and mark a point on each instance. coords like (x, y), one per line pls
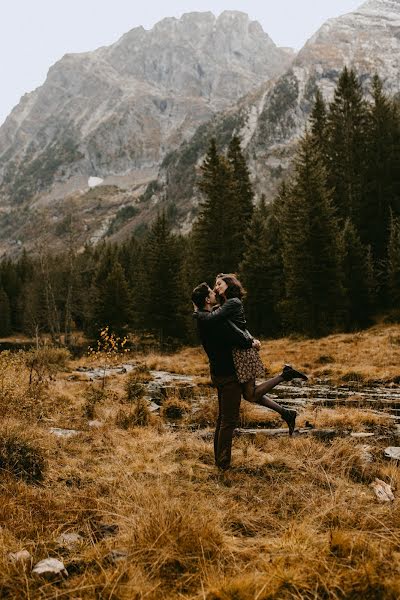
(120, 109)
(157, 97)
(271, 119)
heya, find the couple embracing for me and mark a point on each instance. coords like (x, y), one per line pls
(234, 360)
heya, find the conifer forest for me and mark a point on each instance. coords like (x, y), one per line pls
(322, 256)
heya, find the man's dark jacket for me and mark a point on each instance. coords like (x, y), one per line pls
(218, 339)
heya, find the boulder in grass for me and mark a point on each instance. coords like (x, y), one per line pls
(50, 568)
(117, 556)
(382, 490)
(69, 540)
(392, 452)
(22, 558)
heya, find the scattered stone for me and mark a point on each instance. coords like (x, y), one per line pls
(50, 567)
(23, 558)
(366, 455)
(319, 433)
(95, 423)
(65, 433)
(117, 556)
(392, 452)
(153, 407)
(69, 540)
(106, 530)
(382, 490)
(361, 434)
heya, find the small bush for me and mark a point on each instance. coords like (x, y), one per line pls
(20, 454)
(325, 359)
(134, 390)
(141, 373)
(206, 415)
(139, 415)
(352, 377)
(93, 396)
(44, 362)
(174, 408)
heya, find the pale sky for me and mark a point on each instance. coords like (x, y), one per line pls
(34, 34)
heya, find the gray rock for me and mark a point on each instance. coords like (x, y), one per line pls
(117, 556)
(95, 423)
(22, 558)
(392, 452)
(64, 433)
(69, 540)
(49, 568)
(382, 490)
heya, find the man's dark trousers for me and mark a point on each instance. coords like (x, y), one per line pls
(229, 395)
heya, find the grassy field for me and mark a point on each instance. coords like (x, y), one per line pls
(295, 518)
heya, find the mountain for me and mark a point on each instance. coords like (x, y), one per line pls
(155, 98)
(118, 110)
(271, 119)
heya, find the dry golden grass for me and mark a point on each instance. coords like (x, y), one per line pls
(368, 356)
(294, 519)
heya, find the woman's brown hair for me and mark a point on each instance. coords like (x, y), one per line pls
(235, 288)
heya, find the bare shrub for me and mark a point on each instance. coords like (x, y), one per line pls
(43, 363)
(20, 453)
(174, 408)
(206, 414)
(353, 377)
(134, 389)
(93, 396)
(139, 415)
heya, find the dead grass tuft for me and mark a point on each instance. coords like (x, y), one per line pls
(21, 453)
(174, 408)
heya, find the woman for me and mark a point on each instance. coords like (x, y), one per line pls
(248, 364)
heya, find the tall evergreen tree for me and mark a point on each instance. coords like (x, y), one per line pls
(358, 278)
(318, 122)
(346, 161)
(314, 294)
(163, 306)
(5, 316)
(225, 213)
(211, 241)
(261, 271)
(383, 172)
(116, 301)
(393, 272)
(240, 209)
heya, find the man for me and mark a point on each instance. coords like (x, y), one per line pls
(218, 340)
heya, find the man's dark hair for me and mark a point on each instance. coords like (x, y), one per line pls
(200, 294)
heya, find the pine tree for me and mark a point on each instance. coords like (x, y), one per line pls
(318, 123)
(163, 306)
(393, 272)
(346, 161)
(240, 209)
(261, 271)
(225, 213)
(382, 177)
(211, 241)
(5, 316)
(314, 292)
(116, 301)
(358, 278)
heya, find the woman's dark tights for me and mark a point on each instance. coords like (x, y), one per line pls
(256, 393)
